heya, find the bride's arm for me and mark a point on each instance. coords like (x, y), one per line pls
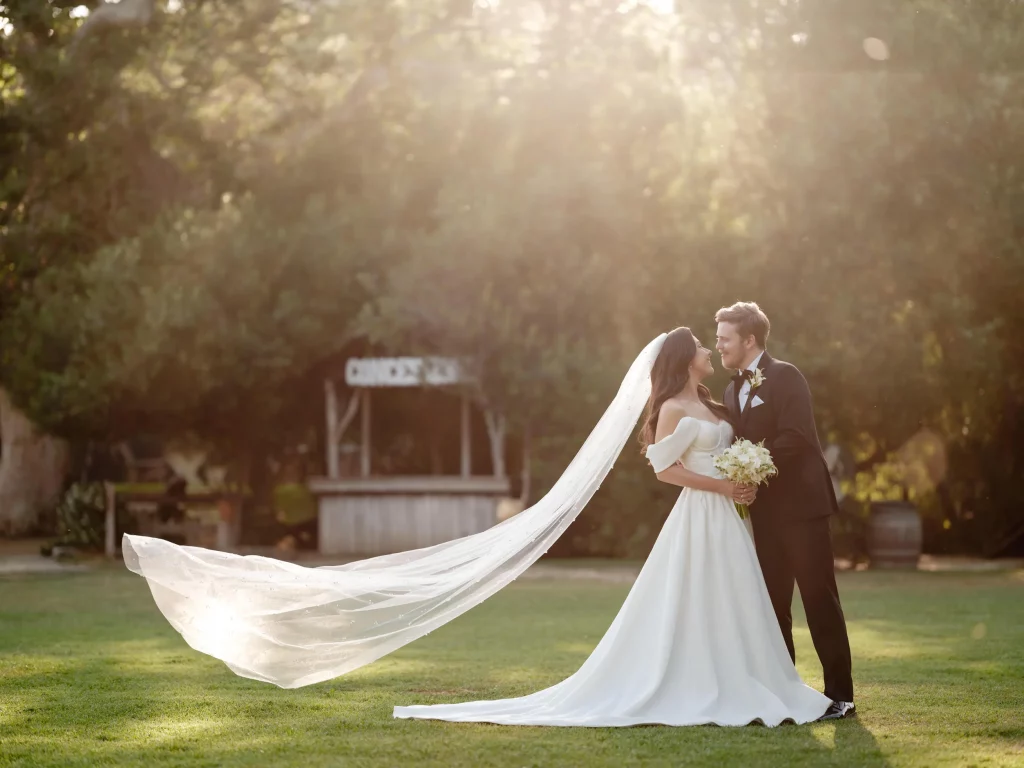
(679, 475)
(669, 425)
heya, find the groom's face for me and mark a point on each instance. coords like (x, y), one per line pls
(733, 349)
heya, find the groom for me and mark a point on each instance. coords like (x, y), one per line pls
(770, 401)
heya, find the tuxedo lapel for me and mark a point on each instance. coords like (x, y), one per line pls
(762, 365)
(732, 400)
(746, 408)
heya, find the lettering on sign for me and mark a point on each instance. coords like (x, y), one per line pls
(403, 372)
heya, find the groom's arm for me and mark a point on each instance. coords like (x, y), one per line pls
(796, 434)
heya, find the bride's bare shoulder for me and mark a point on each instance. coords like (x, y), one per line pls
(671, 413)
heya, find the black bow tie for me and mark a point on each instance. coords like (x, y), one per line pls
(740, 376)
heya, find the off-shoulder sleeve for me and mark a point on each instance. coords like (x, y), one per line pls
(664, 453)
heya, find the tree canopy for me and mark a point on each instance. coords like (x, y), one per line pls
(202, 203)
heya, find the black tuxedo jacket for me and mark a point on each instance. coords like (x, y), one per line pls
(784, 420)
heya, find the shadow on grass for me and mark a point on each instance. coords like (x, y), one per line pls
(113, 683)
(854, 742)
(97, 710)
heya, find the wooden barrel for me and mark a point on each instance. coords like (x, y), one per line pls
(894, 535)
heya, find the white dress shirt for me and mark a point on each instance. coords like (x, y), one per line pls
(745, 389)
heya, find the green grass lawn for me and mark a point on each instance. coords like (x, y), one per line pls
(91, 675)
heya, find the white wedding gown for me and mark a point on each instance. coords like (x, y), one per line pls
(696, 641)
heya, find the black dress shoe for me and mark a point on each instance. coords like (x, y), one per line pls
(837, 710)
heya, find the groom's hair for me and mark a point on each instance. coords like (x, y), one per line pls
(749, 320)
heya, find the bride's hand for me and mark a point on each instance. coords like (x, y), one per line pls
(742, 494)
(747, 494)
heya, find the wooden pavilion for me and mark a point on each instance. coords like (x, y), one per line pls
(366, 512)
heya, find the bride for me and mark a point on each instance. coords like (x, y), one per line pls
(696, 641)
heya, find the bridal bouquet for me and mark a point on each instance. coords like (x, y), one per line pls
(746, 463)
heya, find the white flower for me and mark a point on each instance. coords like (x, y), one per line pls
(747, 463)
(757, 379)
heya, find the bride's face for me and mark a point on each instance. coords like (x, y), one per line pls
(701, 366)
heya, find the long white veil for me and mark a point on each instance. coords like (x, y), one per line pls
(293, 626)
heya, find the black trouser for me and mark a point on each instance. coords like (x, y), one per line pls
(801, 551)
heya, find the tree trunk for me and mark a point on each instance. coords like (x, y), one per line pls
(32, 471)
(496, 432)
(526, 472)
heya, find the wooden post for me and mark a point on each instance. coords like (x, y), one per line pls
(525, 475)
(467, 438)
(110, 537)
(365, 454)
(228, 523)
(331, 397)
(496, 432)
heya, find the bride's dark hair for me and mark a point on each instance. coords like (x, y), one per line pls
(669, 376)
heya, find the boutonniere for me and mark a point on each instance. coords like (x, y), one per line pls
(757, 379)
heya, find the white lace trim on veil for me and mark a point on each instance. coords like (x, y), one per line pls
(294, 626)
